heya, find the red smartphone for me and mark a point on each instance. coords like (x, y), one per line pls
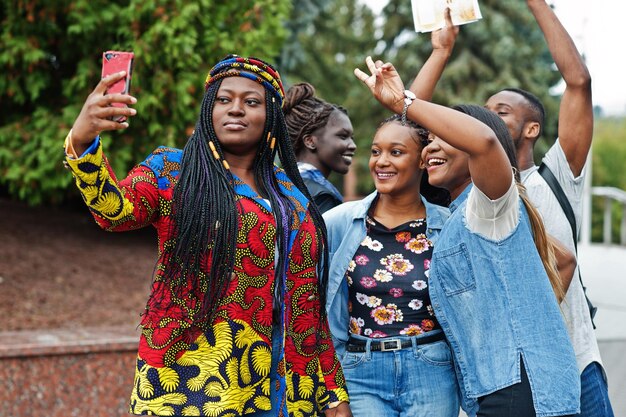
(116, 61)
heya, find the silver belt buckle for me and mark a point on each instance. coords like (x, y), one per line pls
(384, 348)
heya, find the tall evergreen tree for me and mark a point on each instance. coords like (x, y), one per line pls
(301, 20)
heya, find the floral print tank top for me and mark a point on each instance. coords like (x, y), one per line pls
(388, 281)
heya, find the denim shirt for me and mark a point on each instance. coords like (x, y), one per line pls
(346, 230)
(495, 304)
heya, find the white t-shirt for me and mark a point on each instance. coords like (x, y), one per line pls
(493, 219)
(574, 306)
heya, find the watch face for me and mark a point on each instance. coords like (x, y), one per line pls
(409, 95)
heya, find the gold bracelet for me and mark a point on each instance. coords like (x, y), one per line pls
(69, 149)
(335, 404)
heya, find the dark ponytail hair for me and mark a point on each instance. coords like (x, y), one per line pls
(498, 126)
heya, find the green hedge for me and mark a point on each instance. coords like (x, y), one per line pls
(50, 57)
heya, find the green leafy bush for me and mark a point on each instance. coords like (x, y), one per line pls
(608, 160)
(50, 56)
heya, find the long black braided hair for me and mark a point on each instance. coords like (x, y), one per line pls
(205, 216)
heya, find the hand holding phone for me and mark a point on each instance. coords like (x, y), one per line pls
(116, 61)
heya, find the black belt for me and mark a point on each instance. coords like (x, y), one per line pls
(360, 345)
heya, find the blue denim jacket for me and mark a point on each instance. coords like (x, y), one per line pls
(346, 230)
(495, 304)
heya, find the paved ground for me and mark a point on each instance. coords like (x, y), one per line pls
(604, 273)
(612, 352)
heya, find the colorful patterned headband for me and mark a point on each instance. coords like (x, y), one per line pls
(252, 68)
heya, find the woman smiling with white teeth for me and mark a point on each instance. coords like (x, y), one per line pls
(493, 279)
(321, 133)
(392, 348)
(379, 308)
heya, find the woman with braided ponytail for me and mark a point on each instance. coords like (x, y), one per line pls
(234, 324)
(321, 134)
(494, 283)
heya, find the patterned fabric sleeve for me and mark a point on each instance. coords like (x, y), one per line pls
(310, 341)
(334, 378)
(128, 204)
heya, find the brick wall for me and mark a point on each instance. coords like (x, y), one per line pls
(63, 373)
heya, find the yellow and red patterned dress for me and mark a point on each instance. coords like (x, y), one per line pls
(223, 371)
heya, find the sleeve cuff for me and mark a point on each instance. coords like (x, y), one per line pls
(335, 404)
(69, 149)
(335, 397)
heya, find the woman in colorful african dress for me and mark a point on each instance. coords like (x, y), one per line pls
(234, 324)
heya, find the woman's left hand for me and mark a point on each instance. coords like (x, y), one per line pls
(445, 37)
(342, 410)
(384, 83)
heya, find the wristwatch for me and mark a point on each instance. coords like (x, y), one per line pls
(409, 96)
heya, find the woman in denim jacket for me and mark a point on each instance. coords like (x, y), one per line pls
(492, 292)
(393, 352)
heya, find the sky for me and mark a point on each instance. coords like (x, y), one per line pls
(598, 28)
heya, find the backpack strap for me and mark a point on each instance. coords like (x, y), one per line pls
(558, 192)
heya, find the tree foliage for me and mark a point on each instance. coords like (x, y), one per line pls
(50, 56)
(333, 44)
(504, 49)
(303, 15)
(609, 152)
(608, 156)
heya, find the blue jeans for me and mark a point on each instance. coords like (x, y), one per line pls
(594, 398)
(417, 381)
(513, 401)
